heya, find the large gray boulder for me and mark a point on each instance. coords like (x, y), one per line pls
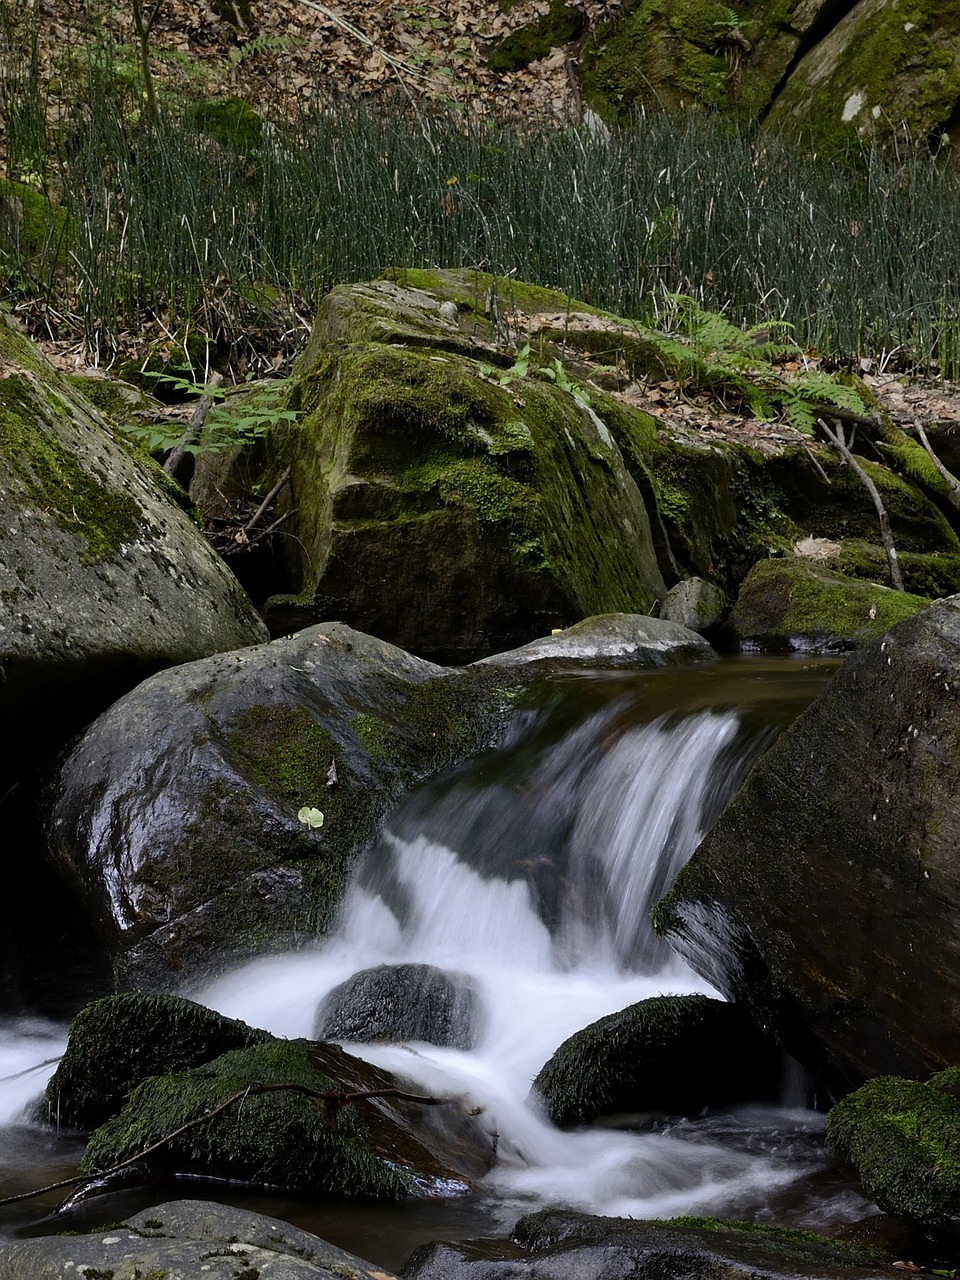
(104, 578)
(826, 895)
(186, 1238)
(217, 808)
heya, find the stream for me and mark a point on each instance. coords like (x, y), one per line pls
(531, 870)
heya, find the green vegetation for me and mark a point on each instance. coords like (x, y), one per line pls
(230, 230)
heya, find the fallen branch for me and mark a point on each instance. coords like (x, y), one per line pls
(951, 479)
(330, 1099)
(242, 535)
(838, 440)
(237, 545)
(194, 427)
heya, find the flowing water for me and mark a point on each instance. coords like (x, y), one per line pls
(532, 871)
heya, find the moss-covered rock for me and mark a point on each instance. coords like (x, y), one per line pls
(561, 24)
(343, 1142)
(495, 504)
(903, 1139)
(231, 122)
(801, 605)
(823, 897)
(880, 69)
(176, 815)
(103, 578)
(118, 1041)
(659, 1056)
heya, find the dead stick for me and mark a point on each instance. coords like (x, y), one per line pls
(194, 426)
(948, 475)
(330, 1098)
(241, 536)
(836, 438)
(259, 537)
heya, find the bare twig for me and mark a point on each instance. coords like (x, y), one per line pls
(838, 440)
(194, 426)
(951, 479)
(242, 535)
(330, 1099)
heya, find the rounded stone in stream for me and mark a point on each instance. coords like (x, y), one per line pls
(401, 1003)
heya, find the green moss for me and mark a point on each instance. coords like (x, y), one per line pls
(471, 291)
(231, 122)
(279, 1138)
(903, 1138)
(32, 226)
(560, 25)
(52, 477)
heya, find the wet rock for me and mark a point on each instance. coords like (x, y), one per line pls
(300, 1116)
(659, 1056)
(216, 809)
(187, 1238)
(797, 604)
(104, 578)
(560, 1245)
(611, 641)
(118, 1041)
(824, 897)
(903, 1139)
(402, 1003)
(695, 604)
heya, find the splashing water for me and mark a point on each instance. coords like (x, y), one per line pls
(533, 872)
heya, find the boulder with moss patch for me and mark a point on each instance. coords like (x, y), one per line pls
(188, 815)
(443, 495)
(118, 1041)
(824, 896)
(659, 1056)
(903, 1139)
(104, 578)
(302, 1116)
(801, 605)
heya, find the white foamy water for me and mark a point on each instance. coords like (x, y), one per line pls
(544, 904)
(29, 1050)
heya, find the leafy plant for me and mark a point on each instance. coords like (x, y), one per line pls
(554, 372)
(226, 427)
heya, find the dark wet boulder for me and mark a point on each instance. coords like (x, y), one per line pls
(217, 808)
(903, 1139)
(187, 1238)
(104, 578)
(797, 604)
(825, 896)
(608, 642)
(560, 1245)
(118, 1041)
(400, 1003)
(673, 1054)
(300, 1116)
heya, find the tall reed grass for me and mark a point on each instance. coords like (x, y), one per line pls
(861, 255)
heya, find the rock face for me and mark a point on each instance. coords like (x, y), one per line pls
(825, 897)
(559, 1245)
(186, 1238)
(401, 1003)
(313, 1119)
(659, 1056)
(177, 816)
(800, 605)
(103, 577)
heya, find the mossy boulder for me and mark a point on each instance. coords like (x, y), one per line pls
(823, 897)
(443, 496)
(176, 816)
(118, 1041)
(401, 1003)
(562, 1243)
(104, 578)
(339, 1129)
(880, 69)
(903, 1139)
(659, 1056)
(561, 24)
(800, 605)
(187, 1238)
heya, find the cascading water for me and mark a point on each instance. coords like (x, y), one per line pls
(532, 871)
